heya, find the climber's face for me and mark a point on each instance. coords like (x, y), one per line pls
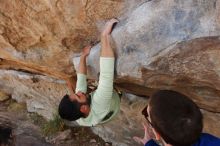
(84, 100)
(79, 96)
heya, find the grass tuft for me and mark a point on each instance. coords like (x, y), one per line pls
(53, 126)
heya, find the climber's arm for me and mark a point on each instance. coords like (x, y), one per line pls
(81, 84)
(106, 49)
(103, 94)
(71, 84)
(82, 64)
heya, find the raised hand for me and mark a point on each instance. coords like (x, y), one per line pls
(108, 27)
(86, 50)
(148, 135)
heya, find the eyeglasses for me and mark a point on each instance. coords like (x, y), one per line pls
(146, 115)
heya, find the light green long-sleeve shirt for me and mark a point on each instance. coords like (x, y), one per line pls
(104, 99)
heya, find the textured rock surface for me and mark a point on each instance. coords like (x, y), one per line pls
(175, 46)
(24, 132)
(29, 129)
(41, 94)
(118, 132)
(160, 44)
(3, 96)
(41, 36)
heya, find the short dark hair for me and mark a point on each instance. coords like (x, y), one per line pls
(69, 110)
(175, 117)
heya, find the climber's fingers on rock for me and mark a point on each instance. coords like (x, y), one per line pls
(112, 21)
(86, 50)
(108, 26)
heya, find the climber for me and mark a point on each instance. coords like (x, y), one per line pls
(102, 104)
(174, 120)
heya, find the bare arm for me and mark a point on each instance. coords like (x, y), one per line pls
(71, 82)
(103, 95)
(82, 64)
(106, 49)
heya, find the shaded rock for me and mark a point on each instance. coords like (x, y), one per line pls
(3, 96)
(23, 132)
(61, 136)
(119, 131)
(92, 141)
(78, 136)
(41, 94)
(160, 44)
(28, 129)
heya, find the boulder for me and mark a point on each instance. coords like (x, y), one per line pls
(41, 36)
(168, 45)
(159, 44)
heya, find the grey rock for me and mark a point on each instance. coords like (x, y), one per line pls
(168, 45)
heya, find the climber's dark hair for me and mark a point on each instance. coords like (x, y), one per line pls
(69, 110)
(175, 117)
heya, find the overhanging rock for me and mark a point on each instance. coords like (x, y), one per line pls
(169, 45)
(162, 44)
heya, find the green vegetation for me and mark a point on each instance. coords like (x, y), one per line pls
(53, 126)
(37, 119)
(48, 128)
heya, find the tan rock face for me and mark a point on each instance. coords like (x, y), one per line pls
(189, 67)
(47, 33)
(159, 45)
(3, 96)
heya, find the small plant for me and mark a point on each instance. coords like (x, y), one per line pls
(37, 119)
(53, 126)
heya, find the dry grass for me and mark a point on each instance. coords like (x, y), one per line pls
(53, 126)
